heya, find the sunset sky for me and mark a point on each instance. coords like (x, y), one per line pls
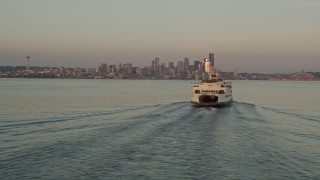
(268, 36)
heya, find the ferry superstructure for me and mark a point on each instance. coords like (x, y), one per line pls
(212, 92)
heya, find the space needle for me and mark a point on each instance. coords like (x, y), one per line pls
(28, 64)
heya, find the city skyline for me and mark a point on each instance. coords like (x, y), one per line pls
(267, 37)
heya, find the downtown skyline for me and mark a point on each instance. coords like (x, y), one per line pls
(266, 37)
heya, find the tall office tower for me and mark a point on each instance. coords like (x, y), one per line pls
(153, 68)
(129, 69)
(162, 68)
(171, 65)
(191, 68)
(103, 68)
(211, 59)
(157, 60)
(197, 65)
(207, 66)
(186, 64)
(149, 70)
(157, 66)
(119, 68)
(180, 67)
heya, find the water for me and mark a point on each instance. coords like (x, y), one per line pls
(143, 129)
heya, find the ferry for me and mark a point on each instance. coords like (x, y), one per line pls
(212, 92)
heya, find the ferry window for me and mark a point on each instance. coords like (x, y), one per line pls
(197, 91)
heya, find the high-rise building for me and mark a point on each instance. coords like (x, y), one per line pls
(186, 64)
(103, 69)
(207, 66)
(171, 65)
(127, 69)
(180, 67)
(211, 59)
(119, 68)
(197, 65)
(153, 68)
(157, 66)
(162, 68)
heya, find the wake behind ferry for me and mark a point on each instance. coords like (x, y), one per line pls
(212, 92)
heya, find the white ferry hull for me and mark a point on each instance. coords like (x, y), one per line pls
(211, 100)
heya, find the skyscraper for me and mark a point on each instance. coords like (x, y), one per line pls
(207, 65)
(171, 65)
(186, 64)
(162, 68)
(211, 59)
(180, 67)
(197, 65)
(157, 66)
(127, 69)
(103, 69)
(153, 68)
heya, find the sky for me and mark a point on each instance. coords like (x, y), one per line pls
(265, 36)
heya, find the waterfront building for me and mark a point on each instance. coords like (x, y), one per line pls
(128, 69)
(61, 71)
(301, 76)
(139, 71)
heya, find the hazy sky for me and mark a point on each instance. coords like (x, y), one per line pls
(251, 35)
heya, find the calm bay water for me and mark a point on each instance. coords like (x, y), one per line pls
(143, 129)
